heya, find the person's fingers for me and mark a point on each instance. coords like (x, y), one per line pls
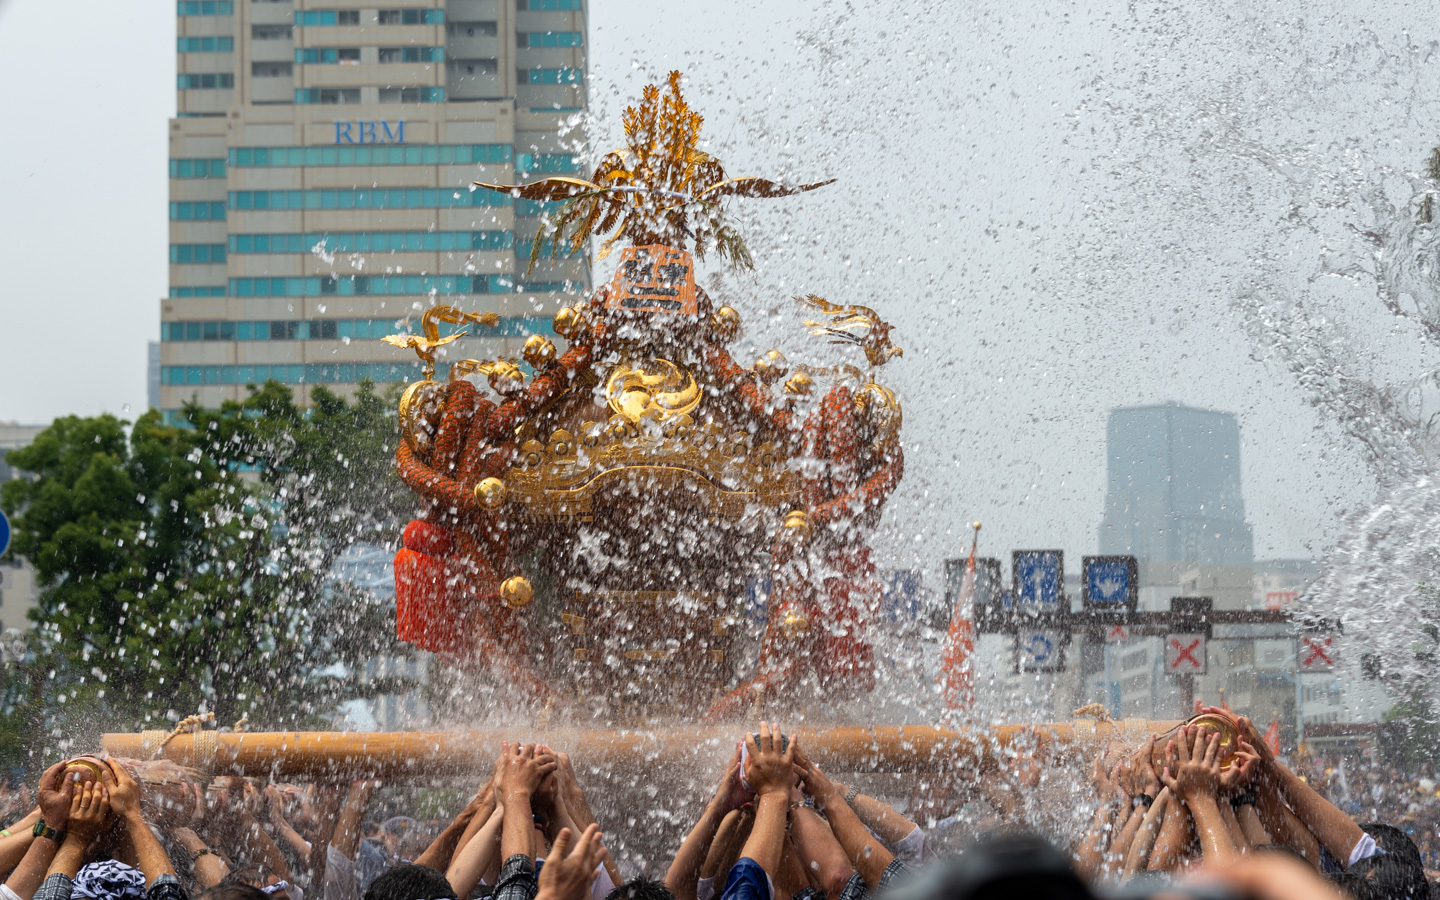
(789, 755)
(1212, 752)
(767, 740)
(752, 745)
(560, 850)
(75, 800)
(50, 780)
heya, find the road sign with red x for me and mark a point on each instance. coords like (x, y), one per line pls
(1317, 653)
(1117, 634)
(1185, 654)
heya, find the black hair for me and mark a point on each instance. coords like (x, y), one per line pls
(999, 867)
(640, 888)
(233, 890)
(410, 882)
(1395, 874)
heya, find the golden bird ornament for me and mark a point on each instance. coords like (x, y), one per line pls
(660, 188)
(857, 325)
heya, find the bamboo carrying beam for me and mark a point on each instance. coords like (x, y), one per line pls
(413, 756)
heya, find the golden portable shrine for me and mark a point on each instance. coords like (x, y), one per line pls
(637, 481)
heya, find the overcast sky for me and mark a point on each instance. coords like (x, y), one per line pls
(1005, 196)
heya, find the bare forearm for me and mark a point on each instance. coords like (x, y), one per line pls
(69, 858)
(346, 839)
(1215, 841)
(1120, 846)
(472, 860)
(1282, 824)
(886, 822)
(517, 835)
(1174, 835)
(1336, 831)
(30, 874)
(210, 870)
(1145, 836)
(153, 861)
(1249, 819)
(685, 867)
(866, 853)
(477, 821)
(1092, 850)
(14, 847)
(1232, 825)
(764, 843)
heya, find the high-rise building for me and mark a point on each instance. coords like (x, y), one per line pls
(1173, 491)
(320, 171)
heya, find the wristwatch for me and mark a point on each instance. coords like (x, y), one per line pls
(41, 830)
(1142, 800)
(1241, 799)
(850, 797)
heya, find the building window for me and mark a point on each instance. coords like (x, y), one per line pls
(327, 96)
(270, 70)
(550, 76)
(374, 155)
(371, 285)
(558, 163)
(205, 81)
(197, 168)
(539, 39)
(205, 8)
(204, 211)
(197, 253)
(373, 242)
(327, 17)
(376, 198)
(472, 29)
(272, 32)
(205, 45)
(412, 54)
(549, 5)
(338, 329)
(348, 56)
(412, 17)
(412, 95)
(202, 291)
(474, 66)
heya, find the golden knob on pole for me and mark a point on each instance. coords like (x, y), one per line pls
(797, 525)
(516, 592)
(539, 351)
(793, 623)
(799, 383)
(490, 493)
(568, 322)
(725, 323)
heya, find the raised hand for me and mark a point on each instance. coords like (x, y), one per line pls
(523, 770)
(568, 871)
(1148, 781)
(1192, 764)
(769, 770)
(124, 791)
(1242, 768)
(89, 810)
(56, 794)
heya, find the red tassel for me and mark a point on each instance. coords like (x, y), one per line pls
(424, 601)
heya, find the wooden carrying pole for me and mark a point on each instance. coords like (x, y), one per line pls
(417, 756)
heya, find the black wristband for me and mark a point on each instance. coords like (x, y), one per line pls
(41, 830)
(1142, 800)
(203, 851)
(1240, 800)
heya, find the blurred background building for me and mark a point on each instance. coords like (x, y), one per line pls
(320, 169)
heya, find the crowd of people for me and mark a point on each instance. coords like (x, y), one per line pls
(1190, 805)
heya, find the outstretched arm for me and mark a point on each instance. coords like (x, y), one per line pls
(684, 870)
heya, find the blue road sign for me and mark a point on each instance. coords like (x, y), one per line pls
(4, 533)
(1108, 581)
(1038, 578)
(1110, 584)
(1040, 651)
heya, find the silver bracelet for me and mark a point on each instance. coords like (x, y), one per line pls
(850, 797)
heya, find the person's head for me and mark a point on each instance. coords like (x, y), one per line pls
(1396, 874)
(232, 890)
(999, 867)
(640, 888)
(410, 882)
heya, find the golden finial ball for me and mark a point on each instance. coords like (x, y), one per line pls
(516, 592)
(567, 322)
(976, 525)
(490, 493)
(506, 378)
(539, 351)
(799, 383)
(797, 525)
(772, 367)
(726, 324)
(794, 624)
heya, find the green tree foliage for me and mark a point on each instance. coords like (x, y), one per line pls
(189, 567)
